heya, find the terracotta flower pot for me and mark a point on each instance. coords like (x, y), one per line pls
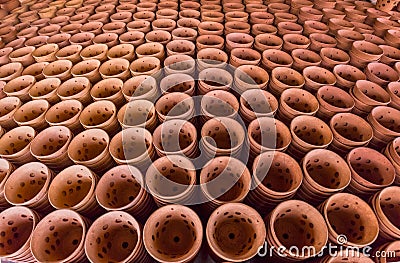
(295, 102)
(321, 40)
(70, 52)
(140, 87)
(19, 87)
(332, 13)
(65, 113)
(271, 170)
(386, 6)
(255, 103)
(383, 121)
(58, 69)
(178, 182)
(35, 70)
(214, 79)
(89, 69)
(160, 36)
(184, 34)
(108, 89)
(261, 18)
(96, 51)
(23, 55)
(178, 83)
(61, 40)
(207, 58)
(391, 55)
(212, 16)
(308, 133)
(282, 230)
(134, 38)
(363, 52)
(363, 184)
(267, 41)
(316, 77)
(7, 169)
(37, 41)
(363, 28)
(83, 39)
(175, 105)
(272, 59)
(10, 71)
(391, 38)
(225, 232)
(153, 49)
(148, 16)
(28, 32)
(115, 68)
(167, 13)
(131, 115)
(92, 27)
(15, 150)
(100, 114)
(333, 56)
(9, 105)
(368, 95)
(340, 220)
(375, 39)
(61, 19)
(347, 76)
(333, 100)
(183, 237)
(139, 25)
(49, 30)
(17, 43)
(244, 56)
(236, 16)
(237, 27)
(184, 47)
(337, 175)
(32, 114)
(45, 53)
(210, 28)
(221, 137)
(70, 228)
(393, 89)
(102, 17)
(289, 28)
(249, 77)
(22, 223)
(110, 39)
(381, 74)
(303, 58)
(218, 103)
(23, 188)
(307, 13)
(382, 205)
(145, 66)
(96, 141)
(75, 88)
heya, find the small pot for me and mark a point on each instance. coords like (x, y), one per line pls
(100, 114)
(175, 105)
(132, 115)
(22, 223)
(303, 58)
(206, 58)
(184, 34)
(339, 221)
(28, 186)
(61, 40)
(153, 49)
(210, 41)
(210, 28)
(145, 66)
(256, 103)
(35, 70)
(71, 229)
(139, 25)
(110, 39)
(307, 13)
(23, 55)
(272, 59)
(144, 16)
(347, 76)
(32, 114)
(333, 56)
(345, 38)
(45, 53)
(225, 229)
(182, 238)
(316, 77)
(381, 74)
(83, 39)
(368, 95)
(108, 89)
(321, 40)
(261, 18)
(19, 87)
(134, 38)
(140, 87)
(244, 56)
(283, 78)
(289, 28)
(70, 52)
(65, 113)
(218, 103)
(167, 13)
(383, 121)
(333, 100)
(115, 68)
(58, 69)
(237, 27)
(267, 41)
(160, 36)
(308, 133)
(178, 83)
(96, 51)
(363, 52)
(391, 38)
(49, 30)
(92, 27)
(214, 79)
(393, 89)
(9, 106)
(184, 47)
(391, 55)
(249, 77)
(88, 69)
(295, 41)
(363, 28)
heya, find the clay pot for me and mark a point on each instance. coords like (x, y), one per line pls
(308, 133)
(278, 7)
(295, 102)
(126, 6)
(261, 18)
(36, 42)
(97, 158)
(114, 27)
(250, 77)
(349, 131)
(131, 115)
(222, 137)
(115, 68)
(144, 16)
(89, 69)
(70, 52)
(391, 55)
(75, 88)
(183, 237)
(391, 152)
(210, 28)
(362, 159)
(307, 13)
(17, 43)
(345, 38)
(32, 114)
(382, 25)
(375, 39)
(207, 58)
(134, 38)
(60, 20)
(92, 27)
(108, 89)
(337, 175)
(382, 205)
(178, 83)
(100, 114)
(393, 89)
(303, 58)
(160, 36)
(218, 103)
(83, 39)
(256, 103)
(70, 228)
(283, 78)
(96, 51)
(4, 55)
(316, 77)
(65, 113)
(58, 69)
(140, 87)
(386, 6)
(145, 66)
(71, 29)
(23, 55)
(244, 56)
(237, 27)
(28, 186)
(19, 87)
(184, 34)
(363, 52)
(153, 49)
(214, 79)
(272, 59)
(139, 25)
(231, 188)
(333, 100)
(212, 16)
(10, 71)
(321, 40)
(14, 151)
(17, 225)
(178, 182)
(391, 38)
(267, 41)
(270, 185)
(225, 232)
(175, 105)
(340, 210)
(45, 53)
(102, 17)
(236, 16)
(333, 56)
(49, 30)
(347, 76)
(289, 28)
(6, 169)
(209, 41)
(332, 13)
(383, 121)
(368, 95)
(282, 230)
(35, 70)
(61, 40)
(8, 33)
(110, 39)
(28, 32)
(363, 28)
(381, 74)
